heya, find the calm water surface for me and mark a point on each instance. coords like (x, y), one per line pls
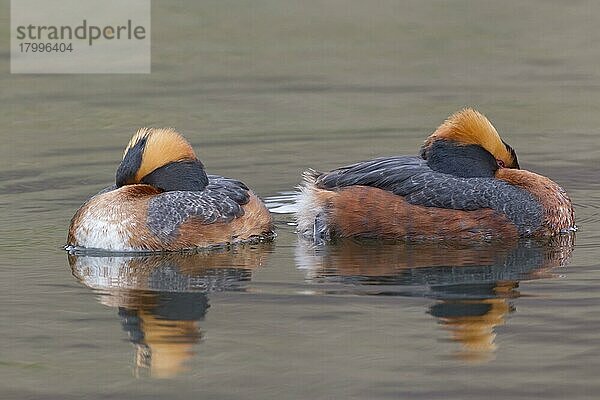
(263, 92)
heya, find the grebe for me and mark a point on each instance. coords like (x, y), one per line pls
(163, 200)
(466, 184)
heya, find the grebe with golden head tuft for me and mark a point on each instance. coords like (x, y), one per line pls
(466, 184)
(163, 200)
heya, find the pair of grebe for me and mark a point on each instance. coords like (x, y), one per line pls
(465, 185)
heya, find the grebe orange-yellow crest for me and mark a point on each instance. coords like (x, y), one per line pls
(163, 200)
(466, 184)
(161, 158)
(469, 129)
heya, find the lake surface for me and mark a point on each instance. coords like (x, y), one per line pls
(264, 91)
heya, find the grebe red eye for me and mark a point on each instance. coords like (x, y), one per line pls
(501, 163)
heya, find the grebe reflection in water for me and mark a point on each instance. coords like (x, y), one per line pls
(472, 284)
(161, 299)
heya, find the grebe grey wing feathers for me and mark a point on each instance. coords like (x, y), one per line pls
(413, 179)
(384, 173)
(220, 202)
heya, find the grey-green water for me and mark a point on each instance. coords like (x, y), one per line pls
(264, 90)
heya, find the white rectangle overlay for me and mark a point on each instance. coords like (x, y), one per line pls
(80, 37)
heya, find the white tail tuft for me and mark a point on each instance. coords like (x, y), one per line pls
(308, 204)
